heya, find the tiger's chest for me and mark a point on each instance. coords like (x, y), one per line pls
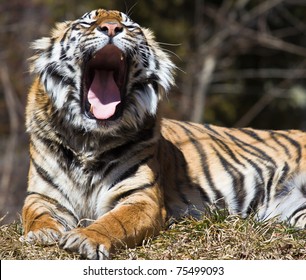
(94, 190)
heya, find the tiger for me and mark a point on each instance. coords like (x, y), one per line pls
(108, 171)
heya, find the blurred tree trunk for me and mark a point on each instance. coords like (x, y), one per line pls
(9, 154)
(203, 81)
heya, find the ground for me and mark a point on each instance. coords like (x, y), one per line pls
(216, 237)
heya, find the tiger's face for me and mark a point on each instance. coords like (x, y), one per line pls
(103, 72)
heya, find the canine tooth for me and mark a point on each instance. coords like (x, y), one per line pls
(91, 109)
(121, 57)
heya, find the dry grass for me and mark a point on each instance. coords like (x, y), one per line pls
(216, 237)
(12, 249)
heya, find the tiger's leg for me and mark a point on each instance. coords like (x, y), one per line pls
(128, 224)
(44, 220)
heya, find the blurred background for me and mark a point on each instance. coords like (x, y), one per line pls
(242, 63)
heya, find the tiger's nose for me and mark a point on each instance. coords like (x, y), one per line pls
(110, 28)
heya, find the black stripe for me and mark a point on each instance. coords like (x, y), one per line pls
(98, 231)
(209, 127)
(252, 134)
(97, 251)
(32, 221)
(227, 150)
(130, 172)
(45, 175)
(52, 72)
(109, 168)
(177, 182)
(119, 222)
(42, 214)
(257, 152)
(298, 217)
(65, 157)
(301, 208)
(256, 167)
(45, 197)
(48, 179)
(295, 144)
(137, 73)
(155, 86)
(157, 63)
(60, 219)
(258, 197)
(138, 86)
(203, 194)
(118, 152)
(237, 180)
(139, 188)
(218, 141)
(204, 164)
(63, 39)
(50, 48)
(75, 27)
(285, 171)
(58, 206)
(285, 148)
(153, 77)
(71, 98)
(71, 68)
(63, 56)
(269, 185)
(173, 132)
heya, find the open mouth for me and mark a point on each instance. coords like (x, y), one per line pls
(104, 84)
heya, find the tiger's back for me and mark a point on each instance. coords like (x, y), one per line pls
(242, 170)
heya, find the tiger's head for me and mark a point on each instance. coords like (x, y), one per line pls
(102, 72)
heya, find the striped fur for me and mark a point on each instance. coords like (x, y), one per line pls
(95, 185)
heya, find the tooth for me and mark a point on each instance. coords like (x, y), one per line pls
(91, 109)
(121, 58)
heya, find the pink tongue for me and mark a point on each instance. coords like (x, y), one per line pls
(103, 94)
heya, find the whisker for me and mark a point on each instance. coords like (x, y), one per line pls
(172, 53)
(129, 11)
(169, 44)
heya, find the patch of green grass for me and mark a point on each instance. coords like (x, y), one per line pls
(218, 236)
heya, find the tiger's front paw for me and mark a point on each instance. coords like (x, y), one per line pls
(79, 241)
(45, 236)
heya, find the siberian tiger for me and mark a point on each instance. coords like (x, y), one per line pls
(107, 171)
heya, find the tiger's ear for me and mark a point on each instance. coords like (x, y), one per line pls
(60, 29)
(45, 46)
